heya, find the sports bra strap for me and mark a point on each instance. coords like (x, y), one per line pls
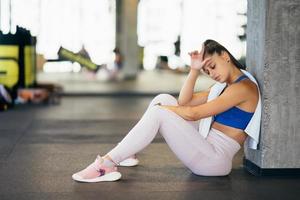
(241, 78)
(237, 80)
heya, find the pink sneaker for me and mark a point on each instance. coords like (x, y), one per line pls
(129, 162)
(97, 172)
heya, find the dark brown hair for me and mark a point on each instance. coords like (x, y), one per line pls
(211, 47)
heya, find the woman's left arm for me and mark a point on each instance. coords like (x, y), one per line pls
(232, 96)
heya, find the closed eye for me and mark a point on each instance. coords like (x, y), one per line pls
(206, 71)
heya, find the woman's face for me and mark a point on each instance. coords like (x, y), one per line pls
(218, 68)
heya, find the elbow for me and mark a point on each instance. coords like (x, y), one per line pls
(180, 102)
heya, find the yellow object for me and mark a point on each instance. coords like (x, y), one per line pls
(9, 72)
(75, 57)
(29, 64)
(9, 51)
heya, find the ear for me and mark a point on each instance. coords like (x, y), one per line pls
(225, 56)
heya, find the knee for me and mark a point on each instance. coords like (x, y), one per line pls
(155, 110)
(164, 99)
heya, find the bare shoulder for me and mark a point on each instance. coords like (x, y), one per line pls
(247, 91)
(244, 90)
(249, 86)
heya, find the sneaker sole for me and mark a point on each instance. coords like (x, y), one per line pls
(113, 176)
(129, 163)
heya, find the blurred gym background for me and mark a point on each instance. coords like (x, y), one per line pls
(50, 48)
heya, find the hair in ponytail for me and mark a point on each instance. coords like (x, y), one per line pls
(211, 47)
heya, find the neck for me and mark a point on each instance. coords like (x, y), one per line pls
(234, 74)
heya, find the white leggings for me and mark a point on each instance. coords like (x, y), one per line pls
(211, 156)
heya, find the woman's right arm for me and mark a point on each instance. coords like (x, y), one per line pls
(187, 97)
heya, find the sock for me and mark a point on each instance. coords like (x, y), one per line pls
(108, 163)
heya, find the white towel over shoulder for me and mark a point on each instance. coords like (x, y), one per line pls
(253, 128)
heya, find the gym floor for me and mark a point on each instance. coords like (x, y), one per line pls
(42, 145)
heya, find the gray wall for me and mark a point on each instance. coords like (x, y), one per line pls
(273, 56)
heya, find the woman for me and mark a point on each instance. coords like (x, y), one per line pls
(177, 121)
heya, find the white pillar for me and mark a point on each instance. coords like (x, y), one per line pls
(127, 36)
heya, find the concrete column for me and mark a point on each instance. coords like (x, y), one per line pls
(126, 16)
(273, 56)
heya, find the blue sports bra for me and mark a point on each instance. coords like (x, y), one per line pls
(235, 117)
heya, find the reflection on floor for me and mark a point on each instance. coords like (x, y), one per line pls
(147, 82)
(42, 145)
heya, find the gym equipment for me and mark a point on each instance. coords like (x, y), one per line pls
(19, 47)
(9, 72)
(76, 57)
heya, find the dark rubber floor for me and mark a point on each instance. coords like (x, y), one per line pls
(42, 145)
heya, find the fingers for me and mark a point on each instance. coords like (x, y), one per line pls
(196, 52)
(193, 53)
(207, 62)
(208, 59)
